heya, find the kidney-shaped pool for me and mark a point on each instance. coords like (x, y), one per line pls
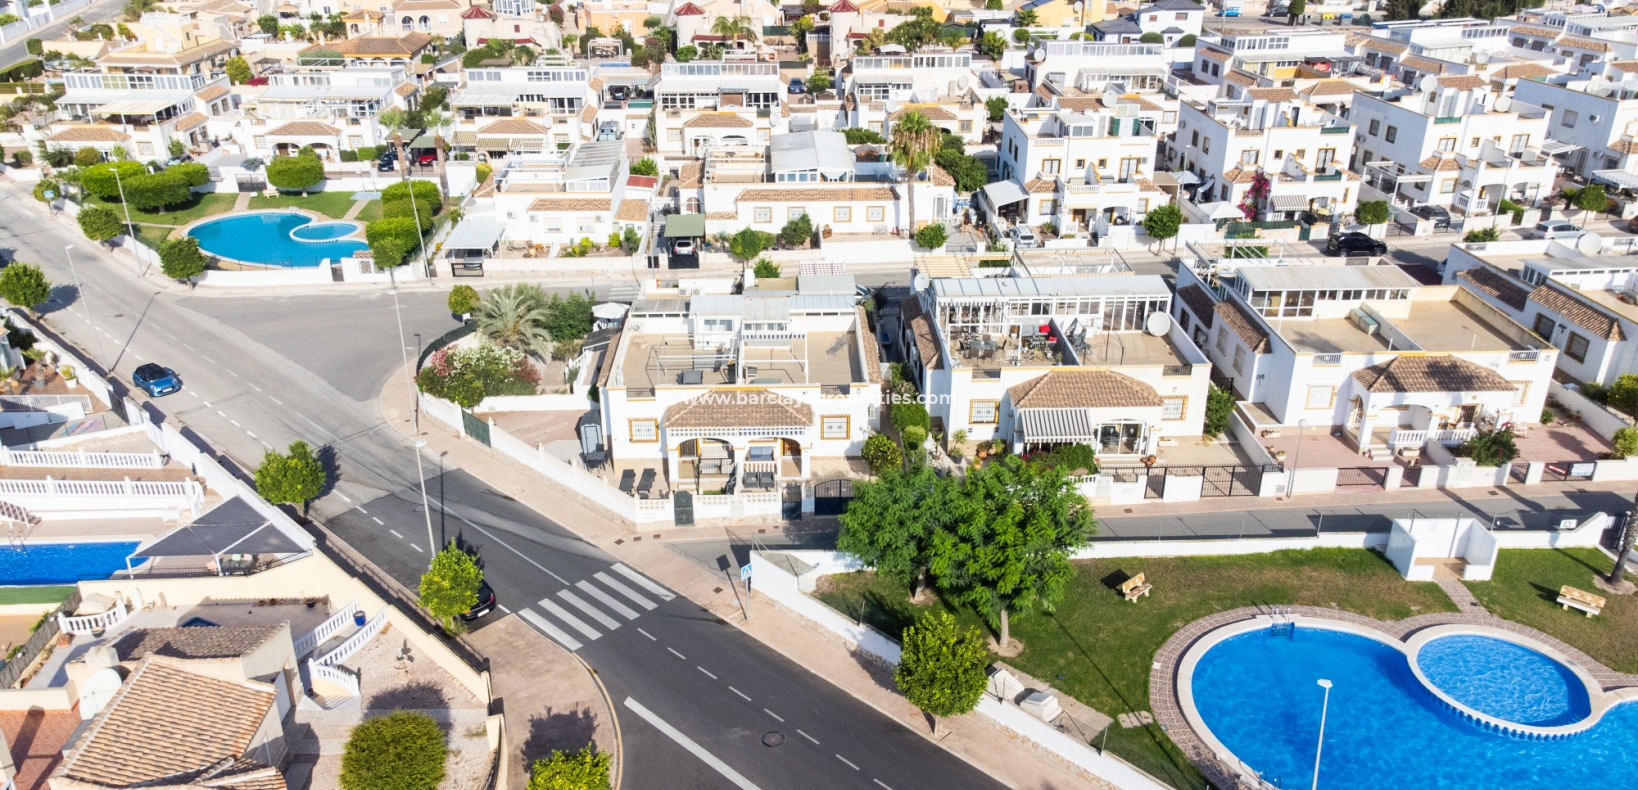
(276, 239)
(1257, 693)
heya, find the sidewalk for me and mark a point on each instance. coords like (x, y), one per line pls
(1011, 762)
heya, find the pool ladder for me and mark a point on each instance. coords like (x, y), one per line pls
(1282, 622)
(19, 524)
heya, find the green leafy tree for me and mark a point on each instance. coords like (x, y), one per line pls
(819, 83)
(883, 454)
(428, 198)
(34, 47)
(175, 148)
(1490, 449)
(1372, 212)
(157, 191)
(1163, 222)
(863, 136)
(181, 259)
(301, 171)
(905, 415)
(1624, 444)
(399, 751)
(463, 299)
(268, 24)
(1219, 408)
(749, 243)
(969, 172)
(46, 185)
(100, 179)
(1187, 40)
(997, 105)
(766, 270)
(913, 142)
(631, 240)
(797, 231)
(993, 5)
(1590, 199)
(687, 53)
(450, 587)
(1151, 38)
(645, 167)
(516, 316)
(889, 524)
(932, 237)
(1013, 527)
(1296, 8)
(1623, 393)
(941, 669)
(238, 70)
(1481, 235)
(994, 45)
(292, 478)
(392, 239)
(582, 770)
(25, 286)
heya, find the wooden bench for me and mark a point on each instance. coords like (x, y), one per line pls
(1135, 588)
(1570, 597)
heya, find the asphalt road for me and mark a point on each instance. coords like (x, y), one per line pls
(261, 371)
(104, 11)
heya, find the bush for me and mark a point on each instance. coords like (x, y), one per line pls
(797, 231)
(1481, 235)
(349, 156)
(468, 375)
(1547, 417)
(582, 770)
(238, 70)
(295, 172)
(158, 191)
(645, 167)
(1624, 443)
(427, 196)
(1490, 449)
(463, 299)
(100, 224)
(404, 209)
(22, 158)
(914, 436)
(766, 270)
(1151, 38)
(863, 136)
(1186, 41)
(905, 415)
(1595, 392)
(24, 285)
(882, 454)
(749, 243)
(196, 174)
(400, 751)
(1372, 212)
(1219, 406)
(391, 239)
(1069, 458)
(181, 259)
(99, 179)
(932, 237)
(47, 185)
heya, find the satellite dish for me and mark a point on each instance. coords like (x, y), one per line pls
(1078, 6)
(1600, 88)
(1157, 324)
(1110, 97)
(1589, 244)
(1481, 58)
(1428, 83)
(98, 690)
(964, 82)
(919, 282)
(1038, 55)
(1504, 104)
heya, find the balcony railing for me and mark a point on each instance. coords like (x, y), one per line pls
(1176, 370)
(1337, 176)
(1335, 129)
(1524, 356)
(1448, 119)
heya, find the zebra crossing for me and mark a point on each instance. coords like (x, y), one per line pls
(567, 613)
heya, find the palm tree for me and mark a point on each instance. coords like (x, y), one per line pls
(1027, 18)
(393, 120)
(733, 28)
(436, 121)
(515, 316)
(913, 141)
(523, 56)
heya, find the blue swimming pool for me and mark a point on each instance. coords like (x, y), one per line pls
(1506, 680)
(323, 231)
(1257, 694)
(266, 238)
(62, 563)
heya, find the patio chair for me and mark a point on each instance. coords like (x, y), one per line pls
(646, 484)
(627, 478)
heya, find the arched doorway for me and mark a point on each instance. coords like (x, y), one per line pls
(704, 465)
(791, 463)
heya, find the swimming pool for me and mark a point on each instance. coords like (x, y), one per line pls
(62, 563)
(1256, 693)
(323, 231)
(1505, 680)
(269, 238)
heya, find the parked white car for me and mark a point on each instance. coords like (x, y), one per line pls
(1022, 237)
(1558, 229)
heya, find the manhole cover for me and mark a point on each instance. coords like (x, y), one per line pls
(773, 739)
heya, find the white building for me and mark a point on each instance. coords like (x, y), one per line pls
(1590, 121)
(1090, 66)
(1271, 134)
(330, 109)
(701, 103)
(522, 109)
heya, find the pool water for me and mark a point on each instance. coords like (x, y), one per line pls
(266, 238)
(1506, 680)
(62, 563)
(1257, 694)
(323, 231)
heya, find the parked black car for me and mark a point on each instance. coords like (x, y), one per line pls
(1355, 244)
(486, 602)
(1440, 217)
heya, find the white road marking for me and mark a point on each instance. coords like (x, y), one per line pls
(688, 743)
(395, 534)
(139, 357)
(574, 622)
(616, 586)
(591, 611)
(343, 496)
(551, 630)
(167, 334)
(190, 348)
(707, 674)
(253, 436)
(220, 413)
(378, 521)
(771, 713)
(502, 542)
(265, 444)
(642, 581)
(608, 600)
(207, 359)
(208, 406)
(849, 762)
(677, 654)
(195, 394)
(231, 373)
(418, 548)
(504, 609)
(880, 782)
(647, 634)
(275, 400)
(360, 508)
(809, 737)
(740, 693)
(236, 423)
(254, 387)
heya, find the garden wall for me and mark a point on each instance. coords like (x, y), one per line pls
(1600, 419)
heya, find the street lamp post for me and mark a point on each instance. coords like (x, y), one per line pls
(1296, 458)
(432, 546)
(403, 351)
(85, 304)
(1325, 708)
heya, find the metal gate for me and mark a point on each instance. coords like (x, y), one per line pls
(1567, 470)
(1520, 471)
(682, 508)
(475, 428)
(1231, 481)
(1362, 478)
(1412, 478)
(118, 405)
(830, 497)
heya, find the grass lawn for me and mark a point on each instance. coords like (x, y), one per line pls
(1525, 590)
(153, 236)
(330, 204)
(46, 594)
(205, 204)
(370, 213)
(1098, 648)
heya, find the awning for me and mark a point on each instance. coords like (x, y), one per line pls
(1289, 202)
(495, 143)
(685, 226)
(463, 138)
(422, 142)
(233, 527)
(611, 311)
(1002, 193)
(133, 107)
(1056, 425)
(475, 234)
(1222, 210)
(1620, 178)
(1186, 178)
(1556, 147)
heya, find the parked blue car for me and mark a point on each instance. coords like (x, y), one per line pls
(156, 380)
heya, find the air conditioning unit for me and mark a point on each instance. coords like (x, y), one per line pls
(1363, 322)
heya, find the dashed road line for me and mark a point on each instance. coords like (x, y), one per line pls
(360, 508)
(740, 693)
(254, 387)
(378, 521)
(418, 548)
(849, 762)
(343, 496)
(395, 534)
(880, 782)
(677, 654)
(647, 634)
(707, 674)
(776, 716)
(231, 373)
(275, 400)
(688, 743)
(236, 423)
(252, 435)
(809, 737)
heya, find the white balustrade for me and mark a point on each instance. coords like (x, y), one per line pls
(310, 642)
(92, 623)
(1449, 437)
(81, 460)
(340, 678)
(346, 649)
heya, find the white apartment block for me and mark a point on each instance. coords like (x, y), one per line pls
(1080, 171)
(330, 109)
(938, 84)
(1265, 59)
(747, 95)
(1271, 132)
(523, 109)
(1091, 66)
(1451, 142)
(1040, 362)
(1592, 122)
(740, 393)
(139, 113)
(557, 198)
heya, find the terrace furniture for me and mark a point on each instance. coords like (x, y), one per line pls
(1569, 597)
(645, 484)
(628, 478)
(1135, 588)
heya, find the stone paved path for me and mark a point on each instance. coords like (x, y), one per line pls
(358, 205)
(242, 202)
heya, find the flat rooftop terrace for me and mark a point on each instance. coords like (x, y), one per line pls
(819, 358)
(1435, 326)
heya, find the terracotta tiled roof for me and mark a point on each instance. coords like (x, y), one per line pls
(632, 211)
(589, 114)
(1626, 66)
(1244, 325)
(1463, 82)
(1437, 163)
(1504, 288)
(1082, 389)
(1240, 176)
(216, 642)
(1601, 324)
(1538, 32)
(405, 45)
(690, 176)
(1241, 79)
(1272, 94)
(1624, 147)
(168, 723)
(243, 774)
(1199, 302)
(487, 189)
(1584, 44)
(718, 120)
(921, 328)
(1523, 71)
(89, 134)
(641, 182)
(606, 367)
(212, 93)
(1431, 373)
(844, 7)
(1041, 186)
(792, 194)
(304, 129)
(1078, 103)
(408, 87)
(722, 215)
(514, 126)
(570, 204)
(757, 408)
(477, 12)
(940, 176)
(1422, 64)
(1384, 45)
(190, 121)
(932, 112)
(1331, 88)
(689, 9)
(1222, 57)
(872, 349)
